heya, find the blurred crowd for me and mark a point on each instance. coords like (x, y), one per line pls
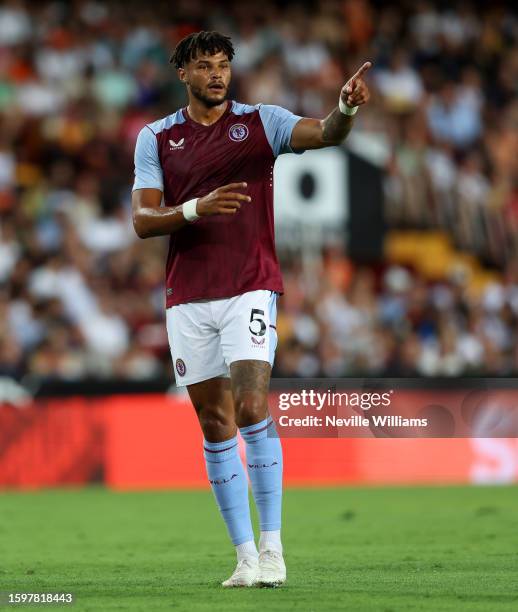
(82, 297)
(390, 322)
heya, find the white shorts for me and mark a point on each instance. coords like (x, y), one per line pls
(206, 336)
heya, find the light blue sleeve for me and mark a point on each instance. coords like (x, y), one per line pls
(278, 124)
(148, 171)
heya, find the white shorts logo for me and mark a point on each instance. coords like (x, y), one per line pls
(180, 367)
(238, 132)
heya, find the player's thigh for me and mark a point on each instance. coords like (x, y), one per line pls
(212, 399)
(195, 344)
(248, 327)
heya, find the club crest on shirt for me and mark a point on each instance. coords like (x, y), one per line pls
(238, 132)
(173, 146)
(180, 367)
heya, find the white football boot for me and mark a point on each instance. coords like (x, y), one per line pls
(245, 574)
(272, 570)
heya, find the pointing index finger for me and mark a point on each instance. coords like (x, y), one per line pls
(362, 70)
(233, 186)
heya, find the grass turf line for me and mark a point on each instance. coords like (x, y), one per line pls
(382, 549)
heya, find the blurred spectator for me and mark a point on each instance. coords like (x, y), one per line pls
(454, 116)
(399, 84)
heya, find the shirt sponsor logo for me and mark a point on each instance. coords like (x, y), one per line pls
(174, 146)
(258, 342)
(238, 132)
(180, 367)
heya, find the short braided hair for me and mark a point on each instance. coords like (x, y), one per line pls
(201, 42)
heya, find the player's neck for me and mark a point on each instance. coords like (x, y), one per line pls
(203, 114)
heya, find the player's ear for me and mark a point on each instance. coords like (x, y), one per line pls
(182, 75)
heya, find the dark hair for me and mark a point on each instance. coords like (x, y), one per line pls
(201, 42)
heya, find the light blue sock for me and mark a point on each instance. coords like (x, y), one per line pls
(227, 477)
(264, 463)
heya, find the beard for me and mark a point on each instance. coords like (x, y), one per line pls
(217, 99)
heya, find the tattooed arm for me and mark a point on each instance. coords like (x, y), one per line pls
(316, 134)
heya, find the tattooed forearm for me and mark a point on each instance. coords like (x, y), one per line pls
(336, 126)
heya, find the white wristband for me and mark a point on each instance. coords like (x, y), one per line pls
(189, 210)
(346, 110)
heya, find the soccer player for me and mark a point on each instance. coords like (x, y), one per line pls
(212, 163)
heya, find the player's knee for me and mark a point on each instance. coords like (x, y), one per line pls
(250, 409)
(216, 424)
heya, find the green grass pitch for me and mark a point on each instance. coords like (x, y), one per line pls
(382, 549)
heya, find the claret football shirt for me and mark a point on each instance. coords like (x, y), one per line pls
(219, 255)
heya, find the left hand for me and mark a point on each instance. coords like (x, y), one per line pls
(355, 92)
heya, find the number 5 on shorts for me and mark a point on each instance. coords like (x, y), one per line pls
(256, 317)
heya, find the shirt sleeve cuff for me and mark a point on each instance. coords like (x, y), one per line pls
(147, 185)
(289, 129)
